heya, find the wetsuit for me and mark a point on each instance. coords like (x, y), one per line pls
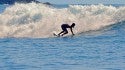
(64, 27)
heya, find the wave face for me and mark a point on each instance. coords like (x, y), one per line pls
(38, 20)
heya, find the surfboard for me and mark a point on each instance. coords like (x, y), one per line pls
(66, 36)
(55, 34)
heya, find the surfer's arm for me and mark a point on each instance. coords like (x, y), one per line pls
(72, 31)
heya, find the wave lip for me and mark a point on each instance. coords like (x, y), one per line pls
(39, 20)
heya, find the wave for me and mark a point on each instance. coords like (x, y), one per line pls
(38, 20)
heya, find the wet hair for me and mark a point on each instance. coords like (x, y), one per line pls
(73, 24)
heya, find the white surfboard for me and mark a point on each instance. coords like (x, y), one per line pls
(55, 34)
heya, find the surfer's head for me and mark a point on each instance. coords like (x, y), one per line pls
(73, 24)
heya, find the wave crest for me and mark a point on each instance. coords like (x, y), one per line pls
(38, 20)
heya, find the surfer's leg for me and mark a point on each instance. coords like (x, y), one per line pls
(65, 32)
(60, 33)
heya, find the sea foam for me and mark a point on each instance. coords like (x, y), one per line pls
(38, 20)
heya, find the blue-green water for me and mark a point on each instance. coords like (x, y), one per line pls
(102, 49)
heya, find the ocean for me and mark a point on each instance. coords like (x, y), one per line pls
(27, 41)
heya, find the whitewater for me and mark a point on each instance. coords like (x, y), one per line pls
(40, 21)
(27, 41)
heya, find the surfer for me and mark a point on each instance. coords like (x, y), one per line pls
(64, 29)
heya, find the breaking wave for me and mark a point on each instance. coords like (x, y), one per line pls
(38, 20)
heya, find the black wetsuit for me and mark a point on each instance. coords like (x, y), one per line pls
(64, 27)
